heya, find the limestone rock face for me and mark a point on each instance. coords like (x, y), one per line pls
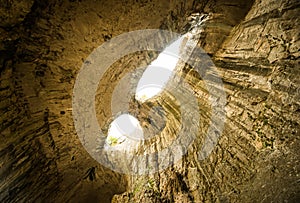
(14, 12)
(255, 158)
(255, 47)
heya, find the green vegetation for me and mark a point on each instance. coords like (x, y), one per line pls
(112, 140)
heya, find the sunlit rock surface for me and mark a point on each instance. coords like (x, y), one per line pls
(255, 47)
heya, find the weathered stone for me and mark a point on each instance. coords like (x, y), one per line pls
(255, 47)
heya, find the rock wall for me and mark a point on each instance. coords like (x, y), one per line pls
(267, 89)
(255, 46)
(43, 45)
(257, 158)
(27, 150)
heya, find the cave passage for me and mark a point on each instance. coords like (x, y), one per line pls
(254, 46)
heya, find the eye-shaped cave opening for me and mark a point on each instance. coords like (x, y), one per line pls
(43, 46)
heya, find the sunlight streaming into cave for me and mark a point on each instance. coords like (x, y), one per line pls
(159, 72)
(123, 127)
(151, 84)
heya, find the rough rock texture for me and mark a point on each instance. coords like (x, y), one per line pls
(41, 53)
(14, 12)
(257, 158)
(255, 46)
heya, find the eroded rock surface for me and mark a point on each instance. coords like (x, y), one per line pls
(255, 47)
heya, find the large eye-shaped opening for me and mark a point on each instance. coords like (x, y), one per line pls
(123, 127)
(151, 84)
(159, 72)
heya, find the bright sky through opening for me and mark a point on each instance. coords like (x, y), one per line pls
(152, 82)
(122, 127)
(159, 72)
